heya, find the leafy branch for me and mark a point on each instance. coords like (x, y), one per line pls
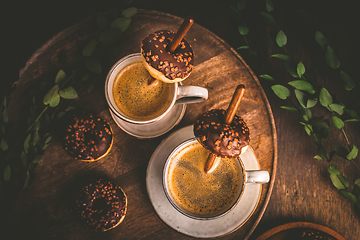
(50, 100)
(307, 93)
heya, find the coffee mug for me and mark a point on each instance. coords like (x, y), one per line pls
(133, 100)
(201, 195)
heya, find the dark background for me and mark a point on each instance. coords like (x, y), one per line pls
(27, 25)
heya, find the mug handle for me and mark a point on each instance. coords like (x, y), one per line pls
(191, 94)
(256, 177)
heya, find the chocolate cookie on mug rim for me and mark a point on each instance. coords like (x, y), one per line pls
(225, 140)
(162, 64)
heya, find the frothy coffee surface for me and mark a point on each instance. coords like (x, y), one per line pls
(199, 193)
(135, 98)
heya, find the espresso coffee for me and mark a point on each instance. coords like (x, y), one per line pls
(138, 100)
(203, 194)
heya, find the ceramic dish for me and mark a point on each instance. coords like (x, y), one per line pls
(299, 230)
(155, 129)
(186, 225)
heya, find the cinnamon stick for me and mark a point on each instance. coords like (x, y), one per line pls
(230, 114)
(184, 28)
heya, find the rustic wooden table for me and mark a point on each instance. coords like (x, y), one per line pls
(302, 188)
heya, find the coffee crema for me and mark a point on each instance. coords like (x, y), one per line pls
(138, 100)
(203, 194)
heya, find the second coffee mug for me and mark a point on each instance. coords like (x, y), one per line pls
(133, 100)
(201, 195)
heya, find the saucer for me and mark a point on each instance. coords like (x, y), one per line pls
(194, 227)
(154, 129)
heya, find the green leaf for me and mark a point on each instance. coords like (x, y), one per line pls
(290, 68)
(89, 49)
(289, 108)
(7, 173)
(3, 145)
(321, 152)
(51, 95)
(333, 170)
(308, 129)
(306, 114)
(344, 180)
(351, 120)
(281, 39)
(267, 77)
(37, 159)
(68, 93)
(109, 36)
(300, 69)
(103, 21)
(60, 77)
(282, 57)
(349, 83)
(236, 13)
(243, 29)
(269, 6)
(331, 58)
(27, 143)
(301, 85)
(353, 153)
(37, 125)
(311, 103)
(318, 122)
(55, 100)
(357, 182)
(269, 19)
(93, 65)
(281, 91)
(325, 97)
(5, 115)
(341, 151)
(321, 40)
(300, 96)
(24, 159)
(349, 196)
(121, 23)
(243, 47)
(336, 182)
(36, 138)
(337, 108)
(241, 4)
(129, 12)
(338, 123)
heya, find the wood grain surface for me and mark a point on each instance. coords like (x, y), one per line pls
(302, 190)
(44, 205)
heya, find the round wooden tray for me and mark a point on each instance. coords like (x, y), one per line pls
(43, 204)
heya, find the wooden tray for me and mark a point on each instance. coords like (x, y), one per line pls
(42, 206)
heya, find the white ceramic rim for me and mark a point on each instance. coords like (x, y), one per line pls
(110, 78)
(170, 198)
(192, 227)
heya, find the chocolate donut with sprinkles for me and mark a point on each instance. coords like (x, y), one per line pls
(101, 205)
(87, 137)
(161, 63)
(225, 140)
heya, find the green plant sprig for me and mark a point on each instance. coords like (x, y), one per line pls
(49, 106)
(308, 94)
